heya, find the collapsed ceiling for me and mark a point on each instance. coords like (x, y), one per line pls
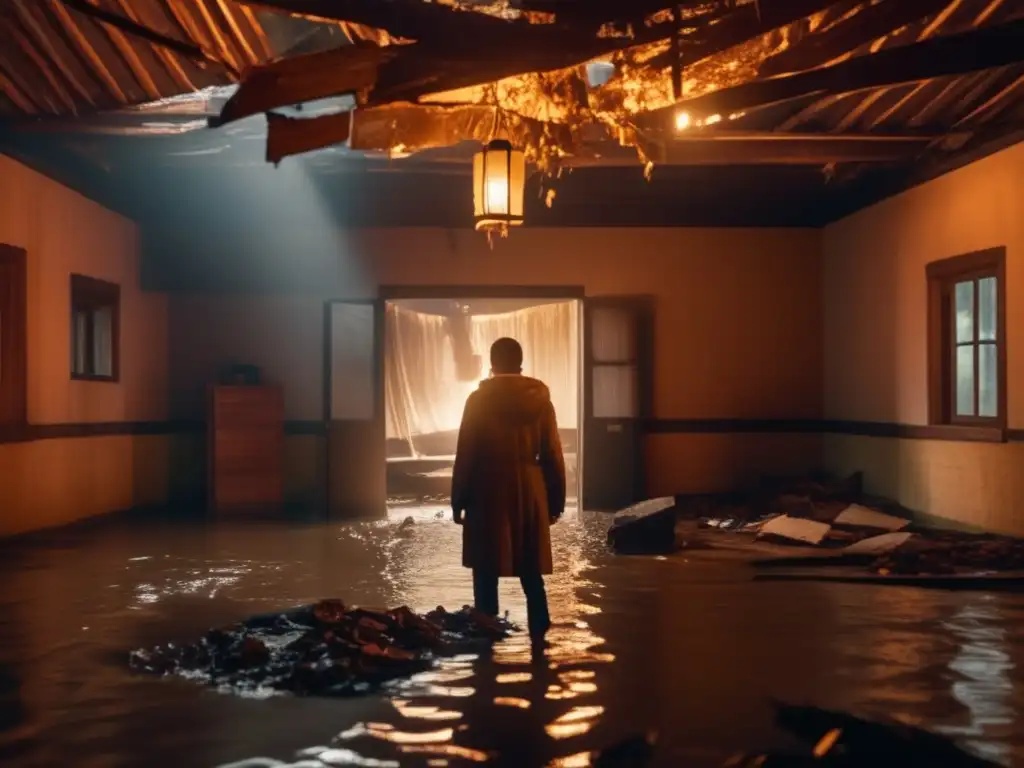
(841, 85)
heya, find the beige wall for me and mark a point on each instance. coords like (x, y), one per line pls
(875, 354)
(738, 331)
(53, 481)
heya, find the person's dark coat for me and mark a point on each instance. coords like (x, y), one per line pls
(509, 476)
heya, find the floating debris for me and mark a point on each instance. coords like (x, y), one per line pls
(326, 649)
(846, 741)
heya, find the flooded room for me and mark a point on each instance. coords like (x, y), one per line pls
(511, 382)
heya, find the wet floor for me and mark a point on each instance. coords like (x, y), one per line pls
(687, 646)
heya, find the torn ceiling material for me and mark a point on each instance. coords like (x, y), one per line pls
(717, 61)
(888, 81)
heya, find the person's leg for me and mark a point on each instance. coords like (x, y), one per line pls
(536, 604)
(485, 592)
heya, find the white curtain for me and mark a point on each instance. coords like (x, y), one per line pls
(103, 342)
(422, 392)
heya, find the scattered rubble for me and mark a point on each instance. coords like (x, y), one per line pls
(325, 649)
(947, 552)
(830, 517)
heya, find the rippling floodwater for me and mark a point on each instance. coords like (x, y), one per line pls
(687, 645)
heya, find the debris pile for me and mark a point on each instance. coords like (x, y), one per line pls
(943, 553)
(787, 510)
(325, 649)
(831, 520)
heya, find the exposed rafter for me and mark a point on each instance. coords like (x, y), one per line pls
(870, 23)
(961, 54)
(573, 82)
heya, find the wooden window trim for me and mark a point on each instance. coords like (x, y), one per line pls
(13, 340)
(89, 293)
(941, 275)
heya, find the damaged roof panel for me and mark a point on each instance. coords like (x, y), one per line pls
(56, 60)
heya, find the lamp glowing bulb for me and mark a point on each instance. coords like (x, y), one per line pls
(682, 120)
(497, 195)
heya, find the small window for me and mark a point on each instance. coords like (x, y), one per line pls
(95, 324)
(967, 348)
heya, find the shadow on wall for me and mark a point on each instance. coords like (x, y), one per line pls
(966, 486)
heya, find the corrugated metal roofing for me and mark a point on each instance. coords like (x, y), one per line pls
(963, 102)
(56, 60)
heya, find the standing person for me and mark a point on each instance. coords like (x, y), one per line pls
(508, 484)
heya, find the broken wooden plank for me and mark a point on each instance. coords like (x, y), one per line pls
(346, 70)
(287, 136)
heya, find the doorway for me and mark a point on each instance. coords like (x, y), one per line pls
(392, 415)
(436, 354)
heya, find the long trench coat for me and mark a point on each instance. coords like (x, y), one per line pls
(509, 477)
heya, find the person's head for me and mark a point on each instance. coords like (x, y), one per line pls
(506, 356)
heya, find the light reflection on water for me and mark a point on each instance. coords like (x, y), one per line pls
(521, 671)
(983, 680)
(690, 648)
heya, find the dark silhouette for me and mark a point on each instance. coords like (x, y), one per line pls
(508, 484)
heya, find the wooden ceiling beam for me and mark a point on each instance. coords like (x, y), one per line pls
(305, 78)
(870, 23)
(972, 51)
(763, 148)
(741, 25)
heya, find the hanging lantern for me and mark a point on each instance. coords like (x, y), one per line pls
(499, 173)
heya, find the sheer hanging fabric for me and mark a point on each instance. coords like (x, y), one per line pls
(422, 392)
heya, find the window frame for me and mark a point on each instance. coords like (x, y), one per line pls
(89, 294)
(13, 339)
(942, 276)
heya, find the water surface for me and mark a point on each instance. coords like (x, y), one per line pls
(687, 645)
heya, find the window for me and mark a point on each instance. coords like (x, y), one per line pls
(967, 348)
(95, 329)
(13, 388)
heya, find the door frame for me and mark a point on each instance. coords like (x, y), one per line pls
(398, 292)
(642, 308)
(328, 363)
(476, 291)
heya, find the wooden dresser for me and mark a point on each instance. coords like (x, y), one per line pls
(245, 448)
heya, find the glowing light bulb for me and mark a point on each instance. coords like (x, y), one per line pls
(497, 195)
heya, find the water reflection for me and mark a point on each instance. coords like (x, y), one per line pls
(513, 677)
(688, 647)
(982, 679)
